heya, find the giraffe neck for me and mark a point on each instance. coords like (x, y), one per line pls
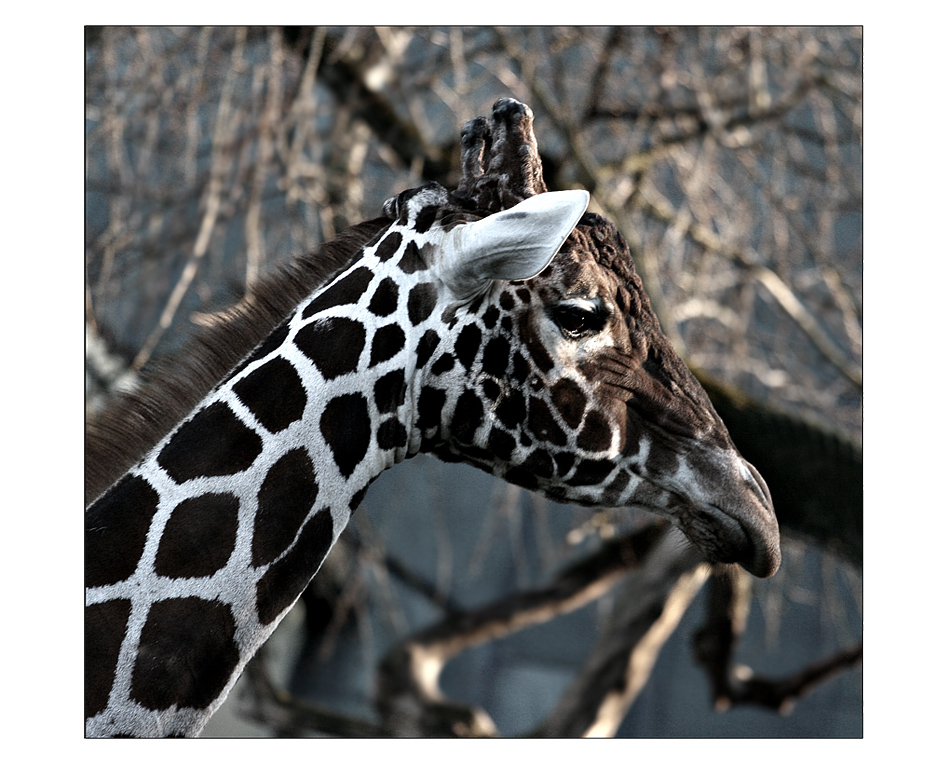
(226, 520)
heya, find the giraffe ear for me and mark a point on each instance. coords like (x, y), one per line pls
(511, 244)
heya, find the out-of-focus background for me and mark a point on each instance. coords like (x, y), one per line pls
(731, 161)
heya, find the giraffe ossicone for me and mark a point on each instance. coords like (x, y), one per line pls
(499, 324)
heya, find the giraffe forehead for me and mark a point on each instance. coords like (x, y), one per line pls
(594, 264)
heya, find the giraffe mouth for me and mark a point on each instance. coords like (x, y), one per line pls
(743, 528)
(727, 539)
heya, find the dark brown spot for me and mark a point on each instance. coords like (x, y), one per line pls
(412, 260)
(467, 344)
(334, 345)
(391, 435)
(501, 444)
(491, 389)
(520, 368)
(427, 345)
(389, 391)
(386, 298)
(539, 463)
(467, 417)
(274, 393)
(283, 502)
(596, 434)
(542, 424)
(347, 290)
(512, 410)
(521, 477)
(569, 400)
(104, 632)
(564, 462)
(425, 218)
(495, 356)
(443, 364)
(346, 427)
(186, 654)
(431, 401)
(116, 528)
(422, 299)
(213, 442)
(287, 578)
(199, 536)
(591, 472)
(387, 248)
(387, 342)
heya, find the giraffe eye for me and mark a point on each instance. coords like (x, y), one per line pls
(578, 319)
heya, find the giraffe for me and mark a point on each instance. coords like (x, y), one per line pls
(501, 324)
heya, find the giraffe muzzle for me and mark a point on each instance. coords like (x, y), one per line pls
(726, 511)
(748, 529)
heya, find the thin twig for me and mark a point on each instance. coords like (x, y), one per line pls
(222, 157)
(657, 205)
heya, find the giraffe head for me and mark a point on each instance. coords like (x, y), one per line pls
(557, 376)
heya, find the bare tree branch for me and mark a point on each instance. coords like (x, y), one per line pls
(715, 643)
(645, 614)
(408, 677)
(661, 208)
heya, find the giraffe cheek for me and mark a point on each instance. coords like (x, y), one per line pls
(597, 434)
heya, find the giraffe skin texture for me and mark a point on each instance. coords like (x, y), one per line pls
(500, 325)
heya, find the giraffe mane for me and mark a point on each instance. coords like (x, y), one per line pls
(133, 422)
